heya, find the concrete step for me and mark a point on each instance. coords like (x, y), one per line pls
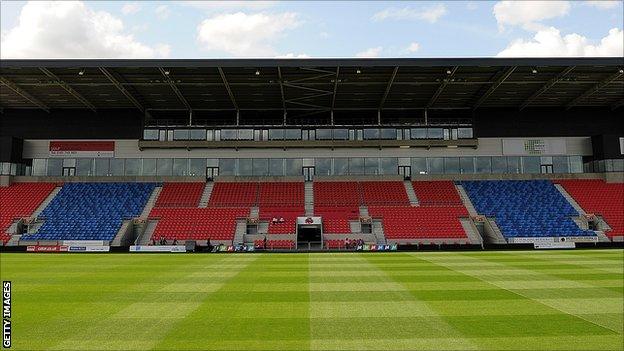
(411, 194)
(205, 198)
(14, 240)
(46, 202)
(254, 212)
(145, 237)
(123, 234)
(151, 202)
(471, 231)
(570, 199)
(356, 226)
(602, 237)
(378, 232)
(309, 199)
(241, 230)
(364, 211)
(494, 235)
(12, 229)
(466, 200)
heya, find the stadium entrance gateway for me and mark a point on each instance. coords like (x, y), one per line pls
(309, 231)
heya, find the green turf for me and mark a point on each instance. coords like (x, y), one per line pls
(515, 300)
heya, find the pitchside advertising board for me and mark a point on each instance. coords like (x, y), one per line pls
(78, 149)
(66, 248)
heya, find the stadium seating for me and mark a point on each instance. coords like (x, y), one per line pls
(180, 195)
(275, 194)
(422, 222)
(525, 208)
(436, 193)
(384, 193)
(336, 219)
(336, 194)
(91, 211)
(288, 214)
(20, 200)
(196, 223)
(231, 194)
(600, 198)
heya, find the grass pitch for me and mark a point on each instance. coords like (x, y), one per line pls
(514, 300)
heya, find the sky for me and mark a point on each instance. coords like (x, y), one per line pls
(292, 29)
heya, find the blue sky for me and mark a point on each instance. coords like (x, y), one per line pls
(198, 29)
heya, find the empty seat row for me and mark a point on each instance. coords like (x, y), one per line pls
(422, 222)
(436, 193)
(342, 194)
(180, 194)
(20, 200)
(196, 223)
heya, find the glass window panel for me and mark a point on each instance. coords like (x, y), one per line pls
(499, 164)
(618, 164)
(341, 166)
(419, 165)
(435, 133)
(370, 134)
(5, 168)
(227, 166)
(451, 165)
(483, 164)
(466, 165)
(388, 133)
(212, 162)
(323, 134)
(164, 166)
(436, 165)
(117, 166)
(133, 166)
(39, 167)
(531, 164)
(197, 167)
(276, 134)
(69, 162)
(560, 164)
(55, 167)
(322, 166)
(84, 167)
(245, 134)
(150, 134)
(371, 165)
(229, 134)
(180, 166)
(292, 134)
(180, 134)
(293, 166)
(341, 134)
(276, 167)
(210, 135)
(245, 167)
(260, 166)
(149, 167)
(576, 164)
(513, 164)
(198, 134)
(419, 133)
(356, 165)
(101, 167)
(389, 165)
(464, 133)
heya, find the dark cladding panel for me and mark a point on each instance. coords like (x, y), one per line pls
(607, 147)
(11, 149)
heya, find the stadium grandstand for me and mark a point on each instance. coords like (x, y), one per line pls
(311, 154)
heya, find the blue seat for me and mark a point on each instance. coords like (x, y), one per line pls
(91, 211)
(525, 208)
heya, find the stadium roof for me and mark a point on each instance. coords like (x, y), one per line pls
(312, 84)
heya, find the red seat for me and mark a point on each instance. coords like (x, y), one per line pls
(180, 194)
(20, 200)
(436, 193)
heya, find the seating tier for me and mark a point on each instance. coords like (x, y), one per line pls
(436, 193)
(197, 223)
(20, 200)
(422, 222)
(180, 194)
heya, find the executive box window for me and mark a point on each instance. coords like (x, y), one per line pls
(419, 133)
(133, 166)
(322, 166)
(499, 164)
(388, 134)
(513, 165)
(150, 134)
(229, 134)
(55, 167)
(197, 167)
(197, 134)
(576, 164)
(483, 164)
(180, 134)
(293, 166)
(560, 164)
(419, 165)
(180, 166)
(451, 165)
(292, 134)
(260, 167)
(116, 166)
(531, 164)
(341, 166)
(389, 165)
(436, 165)
(464, 133)
(101, 166)
(371, 134)
(276, 134)
(84, 167)
(227, 166)
(164, 167)
(245, 134)
(371, 165)
(245, 167)
(466, 165)
(323, 134)
(356, 165)
(39, 167)
(435, 133)
(341, 134)
(149, 167)
(276, 167)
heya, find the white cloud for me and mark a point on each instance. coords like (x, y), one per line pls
(244, 34)
(292, 55)
(130, 8)
(472, 5)
(549, 42)
(162, 12)
(604, 4)
(430, 14)
(528, 14)
(370, 52)
(413, 47)
(324, 35)
(72, 30)
(229, 5)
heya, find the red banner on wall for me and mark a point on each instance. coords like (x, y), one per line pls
(82, 148)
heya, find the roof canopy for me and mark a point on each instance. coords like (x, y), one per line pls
(312, 84)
